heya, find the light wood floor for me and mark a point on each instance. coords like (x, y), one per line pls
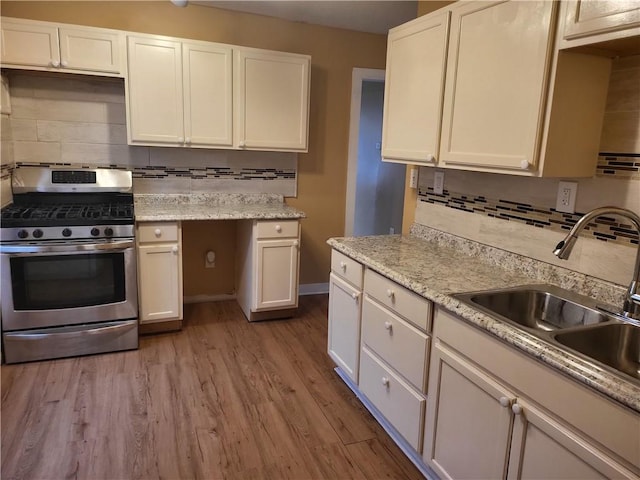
(223, 398)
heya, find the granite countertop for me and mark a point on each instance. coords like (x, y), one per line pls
(151, 207)
(437, 271)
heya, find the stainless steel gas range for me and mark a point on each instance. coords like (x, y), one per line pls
(68, 264)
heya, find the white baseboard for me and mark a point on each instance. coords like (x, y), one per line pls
(313, 288)
(208, 298)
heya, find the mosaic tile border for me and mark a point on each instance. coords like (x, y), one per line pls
(197, 173)
(608, 229)
(619, 165)
(6, 170)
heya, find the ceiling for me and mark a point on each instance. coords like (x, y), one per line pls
(362, 15)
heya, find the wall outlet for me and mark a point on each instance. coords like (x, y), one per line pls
(438, 182)
(566, 200)
(210, 259)
(413, 178)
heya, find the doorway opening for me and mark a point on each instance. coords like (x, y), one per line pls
(375, 189)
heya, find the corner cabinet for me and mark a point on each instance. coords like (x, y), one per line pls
(589, 22)
(194, 94)
(507, 97)
(521, 420)
(159, 275)
(272, 100)
(267, 274)
(179, 93)
(33, 45)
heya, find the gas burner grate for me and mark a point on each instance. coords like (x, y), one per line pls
(66, 214)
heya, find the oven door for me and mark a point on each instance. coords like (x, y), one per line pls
(54, 284)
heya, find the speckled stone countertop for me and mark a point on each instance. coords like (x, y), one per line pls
(437, 271)
(151, 207)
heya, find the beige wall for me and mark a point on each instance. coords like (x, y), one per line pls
(334, 52)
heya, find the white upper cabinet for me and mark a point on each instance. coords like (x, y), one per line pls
(192, 94)
(155, 101)
(208, 105)
(272, 100)
(587, 21)
(179, 94)
(414, 83)
(509, 97)
(496, 83)
(28, 44)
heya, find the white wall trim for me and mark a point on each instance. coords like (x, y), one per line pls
(208, 298)
(358, 76)
(313, 288)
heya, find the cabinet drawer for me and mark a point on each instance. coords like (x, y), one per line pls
(346, 268)
(157, 232)
(409, 305)
(398, 343)
(277, 229)
(400, 404)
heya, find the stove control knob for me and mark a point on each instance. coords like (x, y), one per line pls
(95, 232)
(23, 234)
(37, 233)
(66, 232)
(108, 231)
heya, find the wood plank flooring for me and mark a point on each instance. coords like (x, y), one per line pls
(223, 398)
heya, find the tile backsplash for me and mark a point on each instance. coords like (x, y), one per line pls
(80, 121)
(610, 229)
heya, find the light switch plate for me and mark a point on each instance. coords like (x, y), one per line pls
(566, 200)
(438, 182)
(413, 178)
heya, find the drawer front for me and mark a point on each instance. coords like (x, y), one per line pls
(400, 404)
(407, 304)
(346, 268)
(277, 229)
(398, 343)
(149, 232)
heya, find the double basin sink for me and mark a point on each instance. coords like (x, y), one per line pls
(568, 321)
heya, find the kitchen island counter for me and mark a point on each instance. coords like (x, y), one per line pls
(437, 267)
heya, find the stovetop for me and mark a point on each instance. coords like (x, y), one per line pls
(66, 214)
(52, 204)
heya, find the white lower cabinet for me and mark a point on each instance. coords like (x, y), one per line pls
(267, 277)
(479, 427)
(471, 419)
(344, 326)
(394, 355)
(159, 271)
(400, 404)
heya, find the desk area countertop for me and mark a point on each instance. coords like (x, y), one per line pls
(207, 206)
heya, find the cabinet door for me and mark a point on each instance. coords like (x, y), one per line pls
(543, 448)
(414, 84)
(496, 84)
(345, 305)
(159, 282)
(272, 99)
(31, 44)
(585, 18)
(91, 50)
(155, 91)
(276, 274)
(469, 422)
(207, 71)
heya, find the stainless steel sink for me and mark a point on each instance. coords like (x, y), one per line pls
(567, 320)
(537, 307)
(615, 344)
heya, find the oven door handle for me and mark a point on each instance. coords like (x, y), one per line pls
(69, 248)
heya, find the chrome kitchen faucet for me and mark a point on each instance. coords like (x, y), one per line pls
(631, 307)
